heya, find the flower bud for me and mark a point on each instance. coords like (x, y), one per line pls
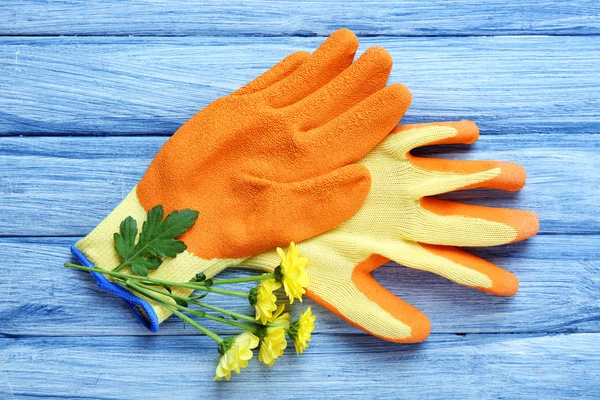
(253, 295)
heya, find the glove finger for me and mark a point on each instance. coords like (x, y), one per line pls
(405, 138)
(363, 78)
(443, 176)
(455, 224)
(315, 204)
(329, 60)
(356, 131)
(364, 303)
(275, 74)
(495, 175)
(455, 265)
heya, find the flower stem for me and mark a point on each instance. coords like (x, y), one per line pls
(119, 267)
(230, 313)
(213, 308)
(224, 291)
(189, 285)
(173, 308)
(262, 277)
(201, 328)
(224, 311)
(198, 303)
(228, 322)
(146, 291)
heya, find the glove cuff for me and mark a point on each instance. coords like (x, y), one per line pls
(97, 250)
(141, 308)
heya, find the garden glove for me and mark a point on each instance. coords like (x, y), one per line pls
(271, 163)
(399, 221)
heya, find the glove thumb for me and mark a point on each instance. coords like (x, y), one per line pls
(350, 292)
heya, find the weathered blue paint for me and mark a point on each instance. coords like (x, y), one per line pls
(528, 73)
(486, 366)
(299, 17)
(151, 85)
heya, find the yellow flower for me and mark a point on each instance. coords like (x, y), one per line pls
(273, 343)
(300, 330)
(235, 353)
(293, 273)
(263, 299)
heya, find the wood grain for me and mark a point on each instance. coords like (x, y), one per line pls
(60, 186)
(558, 292)
(143, 67)
(334, 367)
(301, 18)
(108, 86)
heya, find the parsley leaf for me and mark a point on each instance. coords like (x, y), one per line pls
(156, 241)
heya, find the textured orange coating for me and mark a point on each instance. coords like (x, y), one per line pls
(504, 282)
(274, 162)
(396, 307)
(512, 176)
(275, 74)
(525, 222)
(468, 132)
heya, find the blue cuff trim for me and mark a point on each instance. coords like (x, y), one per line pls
(141, 308)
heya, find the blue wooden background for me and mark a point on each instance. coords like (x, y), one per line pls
(90, 90)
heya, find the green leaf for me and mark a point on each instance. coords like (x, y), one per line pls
(141, 265)
(156, 241)
(199, 277)
(181, 302)
(168, 288)
(158, 236)
(125, 242)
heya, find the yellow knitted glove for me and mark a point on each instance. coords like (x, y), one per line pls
(398, 221)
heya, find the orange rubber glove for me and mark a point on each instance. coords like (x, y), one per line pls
(271, 163)
(399, 221)
(284, 146)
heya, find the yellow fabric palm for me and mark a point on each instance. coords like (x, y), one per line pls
(399, 222)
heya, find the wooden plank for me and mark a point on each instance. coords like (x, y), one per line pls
(558, 292)
(267, 18)
(59, 186)
(107, 86)
(446, 367)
